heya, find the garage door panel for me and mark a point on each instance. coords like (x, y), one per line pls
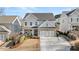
(47, 33)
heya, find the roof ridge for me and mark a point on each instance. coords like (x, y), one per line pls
(41, 23)
(70, 12)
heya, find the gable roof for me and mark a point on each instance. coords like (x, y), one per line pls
(65, 12)
(7, 19)
(70, 12)
(48, 24)
(42, 16)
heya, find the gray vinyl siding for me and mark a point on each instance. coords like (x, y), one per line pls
(13, 27)
(16, 26)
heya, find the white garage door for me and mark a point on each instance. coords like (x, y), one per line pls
(47, 33)
(1, 37)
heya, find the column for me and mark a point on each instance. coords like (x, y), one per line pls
(32, 32)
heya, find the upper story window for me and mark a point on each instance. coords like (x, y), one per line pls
(25, 23)
(63, 21)
(71, 19)
(77, 19)
(36, 23)
(30, 23)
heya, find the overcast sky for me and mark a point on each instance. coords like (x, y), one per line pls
(22, 10)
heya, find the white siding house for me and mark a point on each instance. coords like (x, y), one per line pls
(34, 21)
(69, 21)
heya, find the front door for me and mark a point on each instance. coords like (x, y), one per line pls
(36, 32)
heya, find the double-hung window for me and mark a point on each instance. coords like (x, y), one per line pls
(36, 23)
(25, 23)
(71, 19)
(30, 23)
(77, 19)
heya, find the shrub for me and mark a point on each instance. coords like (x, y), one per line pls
(22, 38)
(7, 39)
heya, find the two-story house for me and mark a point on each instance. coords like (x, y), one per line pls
(34, 23)
(69, 20)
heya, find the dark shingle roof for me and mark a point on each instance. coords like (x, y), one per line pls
(70, 12)
(57, 16)
(26, 15)
(42, 16)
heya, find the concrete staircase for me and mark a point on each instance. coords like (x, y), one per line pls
(5, 44)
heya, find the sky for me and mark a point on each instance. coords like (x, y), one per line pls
(22, 10)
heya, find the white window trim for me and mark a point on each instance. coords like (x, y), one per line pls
(2, 36)
(25, 24)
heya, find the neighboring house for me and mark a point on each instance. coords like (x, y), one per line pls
(9, 25)
(69, 20)
(32, 22)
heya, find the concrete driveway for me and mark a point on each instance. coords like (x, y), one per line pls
(54, 44)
